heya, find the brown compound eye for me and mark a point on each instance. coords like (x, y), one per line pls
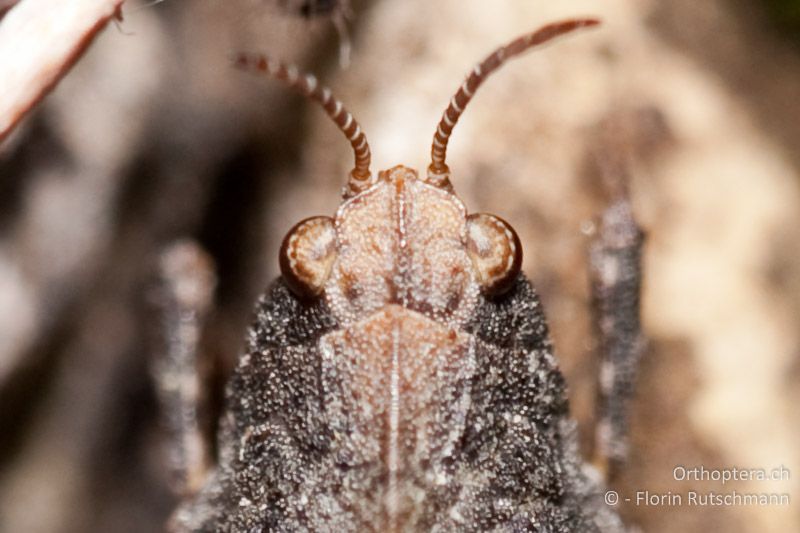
(307, 255)
(495, 251)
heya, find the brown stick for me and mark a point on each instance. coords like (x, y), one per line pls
(40, 40)
(184, 301)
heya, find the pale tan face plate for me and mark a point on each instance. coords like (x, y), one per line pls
(402, 241)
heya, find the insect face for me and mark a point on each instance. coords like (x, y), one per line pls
(402, 241)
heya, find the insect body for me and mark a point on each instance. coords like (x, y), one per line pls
(399, 376)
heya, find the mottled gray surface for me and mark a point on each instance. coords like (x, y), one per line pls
(514, 467)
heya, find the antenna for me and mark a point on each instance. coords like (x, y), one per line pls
(360, 177)
(438, 172)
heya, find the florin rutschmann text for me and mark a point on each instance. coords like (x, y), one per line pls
(712, 498)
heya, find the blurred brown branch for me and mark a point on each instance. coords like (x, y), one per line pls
(40, 40)
(5, 5)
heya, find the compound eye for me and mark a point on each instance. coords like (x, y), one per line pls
(307, 255)
(495, 251)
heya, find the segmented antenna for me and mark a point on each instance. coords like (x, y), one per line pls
(438, 172)
(306, 84)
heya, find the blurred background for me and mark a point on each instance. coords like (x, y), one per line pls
(153, 137)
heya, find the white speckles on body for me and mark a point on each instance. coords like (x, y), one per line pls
(606, 380)
(610, 272)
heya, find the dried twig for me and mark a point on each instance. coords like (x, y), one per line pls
(40, 40)
(185, 292)
(5, 5)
